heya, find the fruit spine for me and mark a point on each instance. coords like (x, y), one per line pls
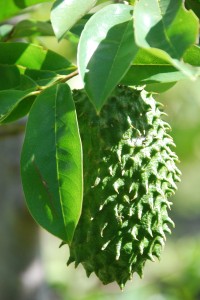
(129, 173)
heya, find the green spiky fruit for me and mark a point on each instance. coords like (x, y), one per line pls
(129, 173)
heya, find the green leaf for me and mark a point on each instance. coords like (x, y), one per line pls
(192, 56)
(106, 50)
(9, 8)
(79, 26)
(27, 83)
(51, 162)
(148, 68)
(10, 77)
(165, 25)
(159, 87)
(5, 29)
(33, 57)
(146, 74)
(9, 102)
(167, 30)
(65, 13)
(28, 28)
(20, 110)
(194, 5)
(42, 78)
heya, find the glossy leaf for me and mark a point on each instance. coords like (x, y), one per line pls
(106, 50)
(51, 162)
(167, 30)
(33, 57)
(9, 8)
(9, 101)
(165, 25)
(65, 13)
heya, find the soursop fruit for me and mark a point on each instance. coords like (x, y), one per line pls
(129, 174)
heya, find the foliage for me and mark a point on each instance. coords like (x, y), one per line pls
(151, 42)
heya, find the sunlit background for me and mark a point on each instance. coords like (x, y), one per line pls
(33, 267)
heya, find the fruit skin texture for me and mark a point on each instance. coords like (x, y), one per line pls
(129, 172)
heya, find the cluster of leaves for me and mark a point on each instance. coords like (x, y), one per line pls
(142, 42)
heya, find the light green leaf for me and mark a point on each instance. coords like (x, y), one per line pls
(167, 30)
(192, 56)
(9, 8)
(106, 50)
(65, 13)
(51, 162)
(33, 57)
(5, 29)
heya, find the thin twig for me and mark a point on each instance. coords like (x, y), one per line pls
(69, 76)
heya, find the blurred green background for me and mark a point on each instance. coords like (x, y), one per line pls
(176, 276)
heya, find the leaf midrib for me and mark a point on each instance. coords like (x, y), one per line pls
(57, 166)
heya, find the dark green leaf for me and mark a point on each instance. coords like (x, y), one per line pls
(20, 110)
(106, 50)
(9, 8)
(33, 57)
(194, 5)
(9, 102)
(42, 78)
(10, 77)
(51, 162)
(79, 26)
(66, 13)
(26, 83)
